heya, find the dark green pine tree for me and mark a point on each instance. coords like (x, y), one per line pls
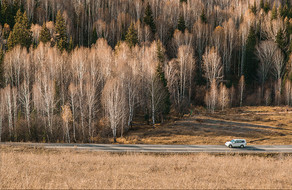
(161, 75)
(253, 8)
(181, 23)
(148, 18)
(281, 40)
(183, 1)
(267, 7)
(288, 3)
(1, 17)
(45, 35)
(21, 34)
(262, 4)
(251, 64)
(288, 27)
(274, 12)
(70, 45)
(6, 14)
(160, 52)
(280, 10)
(131, 36)
(61, 32)
(94, 36)
(285, 11)
(9, 11)
(290, 13)
(290, 76)
(203, 16)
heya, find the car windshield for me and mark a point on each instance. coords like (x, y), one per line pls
(232, 141)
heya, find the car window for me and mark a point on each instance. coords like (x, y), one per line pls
(232, 141)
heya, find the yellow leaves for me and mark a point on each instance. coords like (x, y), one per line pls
(66, 113)
(218, 29)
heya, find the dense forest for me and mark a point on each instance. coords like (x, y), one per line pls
(77, 70)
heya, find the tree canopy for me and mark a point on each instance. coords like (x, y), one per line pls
(61, 32)
(148, 18)
(21, 34)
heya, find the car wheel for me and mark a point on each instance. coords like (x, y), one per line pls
(241, 146)
(230, 146)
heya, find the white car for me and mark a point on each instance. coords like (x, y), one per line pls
(236, 143)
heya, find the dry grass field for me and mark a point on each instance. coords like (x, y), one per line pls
(258, 125)
(63, 169)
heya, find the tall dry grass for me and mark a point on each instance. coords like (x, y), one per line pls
(258, 125)
(63, 169)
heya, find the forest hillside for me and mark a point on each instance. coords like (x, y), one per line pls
(76, 70)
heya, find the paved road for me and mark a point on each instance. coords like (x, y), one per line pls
(161, 148)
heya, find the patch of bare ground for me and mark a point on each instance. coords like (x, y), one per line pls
(31, 168)
(258, 125)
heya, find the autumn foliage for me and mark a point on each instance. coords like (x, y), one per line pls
(74, 70)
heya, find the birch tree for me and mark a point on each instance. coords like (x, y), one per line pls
(156, 92)
(90, 96)
(241, 88)
(25, 98)
(73, 93)
(288, 92)
(8, 108)
(224, 98)
(278, 71)
(113, 100)
(213, 95)
(186, 68)
(201, 36)
(79, 59)
(14, 98)
(230, 38)
(212, 65)
(265, 51)
(67, 117)
(2, 107)
(13, 65)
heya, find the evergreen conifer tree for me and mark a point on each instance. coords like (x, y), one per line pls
(6, 14)
(21, 34)
(161, 75)
(280, 11)
(281, 41)
(94, 36)
(289, 14)
(288, 3)
(285, 11)
(290, 76)
(148, 18)
(61, 32)
(274, 12)
(203, 16)
(181, 23)
(70, 45)
(45, 35)
(262, 4)
(250, 66)
(254, 8)
(267, 7)
(1, 17)
(131, 36)
(288, 27)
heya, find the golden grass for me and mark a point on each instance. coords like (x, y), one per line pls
(258, 125)
(63, 169)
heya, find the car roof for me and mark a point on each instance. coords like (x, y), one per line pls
(239, 139)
